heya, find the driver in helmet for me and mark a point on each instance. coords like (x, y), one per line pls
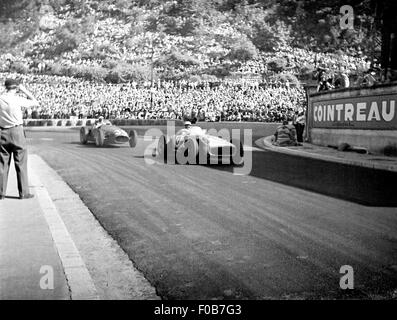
(100, 122)
(187, 125)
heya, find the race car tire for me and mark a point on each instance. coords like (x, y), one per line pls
(237, 159)
(162, 148)
(133, 138)
(100, 138)
(187, 154)
(84, 135)
(203, 156)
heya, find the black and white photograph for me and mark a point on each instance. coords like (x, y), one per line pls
(196, 156)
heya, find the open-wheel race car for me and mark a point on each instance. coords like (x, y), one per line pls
(107, 134)
(195, 146)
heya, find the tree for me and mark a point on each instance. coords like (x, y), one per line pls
(68, 37)
(277, 65)
(12, 9)
(123, 72)
(176, 59)
(386, 18)
(243, 50)
(7, 36)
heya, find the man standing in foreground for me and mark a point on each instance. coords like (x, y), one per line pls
(12, 137)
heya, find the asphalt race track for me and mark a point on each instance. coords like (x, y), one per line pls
(202, 232)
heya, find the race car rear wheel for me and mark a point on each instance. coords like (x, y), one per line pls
(203, 156)
(99, 138)
(162, 148)
(188, 152)
(84, 135)
(133, 138)
(238, 158)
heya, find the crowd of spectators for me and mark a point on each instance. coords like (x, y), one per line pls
(110, 39)
(64, 97)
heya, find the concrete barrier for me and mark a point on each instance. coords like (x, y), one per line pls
(360, 117)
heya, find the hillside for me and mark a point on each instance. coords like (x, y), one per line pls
(121, 40)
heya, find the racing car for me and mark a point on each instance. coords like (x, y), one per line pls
(107, 134)
(194, 145)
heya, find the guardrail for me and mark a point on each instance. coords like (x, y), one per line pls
(88, 122)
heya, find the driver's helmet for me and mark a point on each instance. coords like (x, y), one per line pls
(187, 124)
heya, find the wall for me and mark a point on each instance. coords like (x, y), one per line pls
(361, 117)
(88, 122)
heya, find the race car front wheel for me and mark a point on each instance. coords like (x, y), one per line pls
(133, 138)
(238, 157)
(99, 138)
(83, 135)
(187, 153)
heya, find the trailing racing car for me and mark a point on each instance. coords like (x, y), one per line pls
(104, 133)
(194, 145)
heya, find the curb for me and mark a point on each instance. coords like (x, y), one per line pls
(78, 278)
(265, 143)
(109, 273)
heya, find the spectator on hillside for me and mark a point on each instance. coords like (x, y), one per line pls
(324, 80)
(342, 81)
(369, 78)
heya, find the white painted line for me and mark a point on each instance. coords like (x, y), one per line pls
(324, 157)
(79, 279)
(250, 148)
(42, 139)
(112, 272)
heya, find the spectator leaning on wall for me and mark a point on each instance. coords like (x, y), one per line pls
(299, 123)
(285, 135)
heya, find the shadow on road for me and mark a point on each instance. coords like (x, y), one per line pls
(362, 185)
(92, 145)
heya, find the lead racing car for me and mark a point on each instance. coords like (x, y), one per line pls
(194, 145)
(104, 133)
